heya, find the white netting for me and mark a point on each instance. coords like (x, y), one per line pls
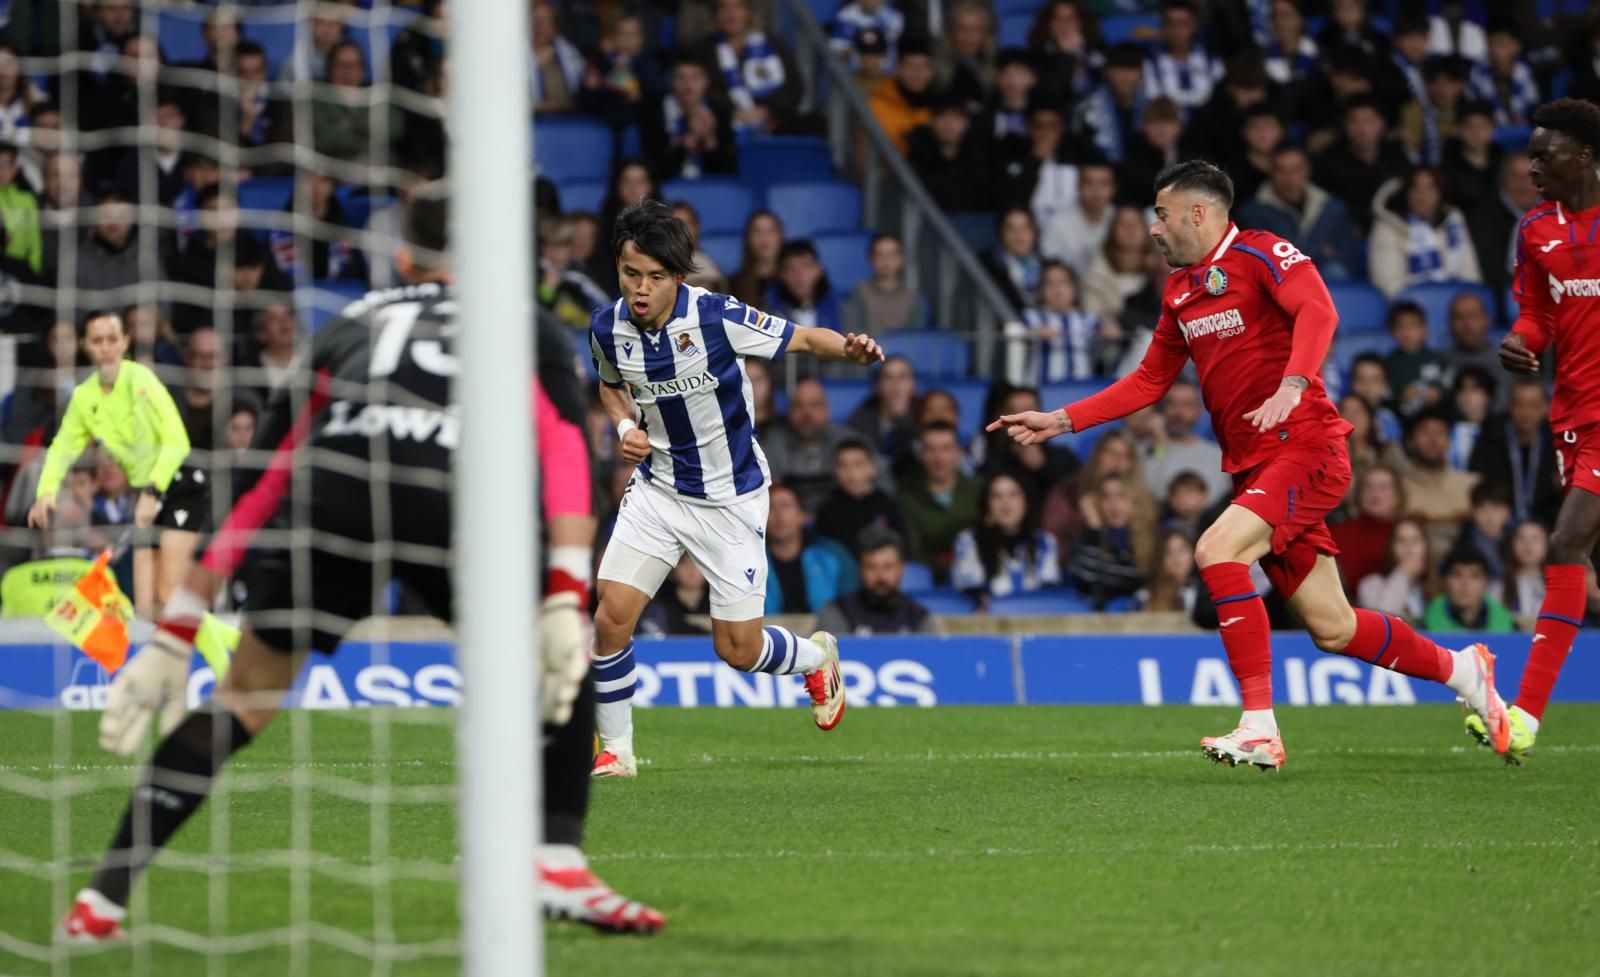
(331, 837)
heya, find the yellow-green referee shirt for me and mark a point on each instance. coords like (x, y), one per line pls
(137, 423)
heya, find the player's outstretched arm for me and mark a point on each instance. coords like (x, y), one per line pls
(829, 345)
(1033, 426)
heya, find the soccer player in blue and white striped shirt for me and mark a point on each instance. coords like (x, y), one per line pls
(671, 363)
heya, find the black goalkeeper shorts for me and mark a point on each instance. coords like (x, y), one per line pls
(306, 593)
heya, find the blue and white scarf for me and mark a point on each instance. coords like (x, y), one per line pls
(1071, 354)
(1518, 108)
(677, 125)
(1098, 118)
(1260, 13)
(1023, 271)
(1188, 82)
(568, 60)
(14, 119)
(1285, 66)
(1463, 436)
(750, 75)
(1432, 145)
(1007, 123)
(1425, 261)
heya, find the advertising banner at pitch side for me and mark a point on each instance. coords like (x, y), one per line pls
(883, 672)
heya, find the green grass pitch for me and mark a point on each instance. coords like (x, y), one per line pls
(959, 841)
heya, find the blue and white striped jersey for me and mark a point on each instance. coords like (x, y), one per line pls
(689, 381)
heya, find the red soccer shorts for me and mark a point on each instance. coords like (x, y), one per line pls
(1578, 458)
(1294, 491)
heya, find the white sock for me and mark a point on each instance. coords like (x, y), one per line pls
(184, 605)
(1528, 717)
(1464, 679)
(785, 653)
(1260, 720)
(559, 858)
(614, 680)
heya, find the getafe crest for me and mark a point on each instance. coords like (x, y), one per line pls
(1216, 280)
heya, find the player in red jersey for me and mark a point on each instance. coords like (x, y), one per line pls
(1253, 313)
(1557, 286)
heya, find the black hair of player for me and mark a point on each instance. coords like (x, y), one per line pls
(1197, 176)
(1576, 118)
(428, 222)
(649, 224)
(97, 314)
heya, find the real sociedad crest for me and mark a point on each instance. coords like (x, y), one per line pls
(1216, 280)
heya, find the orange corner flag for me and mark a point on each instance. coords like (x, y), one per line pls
(94, 616)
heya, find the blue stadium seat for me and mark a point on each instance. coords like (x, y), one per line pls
(807, 209)
(723, 204)
(975, 229)
(766, 160)
(969, 394)
(1121, 605)
(845, 394)
(271, 193)
(358, 203)
(1057, 601)
(1019, 7)
(1347, 346)
(1560, 82)
(374, 32)
(571, 147)
(1512, 138)
(943, 600)
(1435, 299)
(824, 10)
(587, 195)
(724, 249)
(934, 353)
(1138, 28)
(845, 258)
(276, 37)
(178, 33)
(630, 145)
(1054, 395)
(1014, 30)
(1362, 308)
(918, 576)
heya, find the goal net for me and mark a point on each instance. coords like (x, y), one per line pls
(227, 178)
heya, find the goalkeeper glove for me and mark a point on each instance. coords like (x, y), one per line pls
(155, 679)
(564, 639)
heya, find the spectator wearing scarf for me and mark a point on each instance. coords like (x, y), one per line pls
(1112, 112)
(1417, 236)
(689, 135)
(756, 72)
(1505, 81)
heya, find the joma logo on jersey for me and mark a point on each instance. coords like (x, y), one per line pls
(676, 387)
(1586, 288)
(420, 424)
(1208, 324)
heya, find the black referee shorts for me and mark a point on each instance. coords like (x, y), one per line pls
(187, 506)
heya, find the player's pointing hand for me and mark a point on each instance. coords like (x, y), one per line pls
(1033, 427)
(1277, 408)
(1515, 355)
(862, 349)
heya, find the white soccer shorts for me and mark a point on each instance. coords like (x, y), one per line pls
(727, 542)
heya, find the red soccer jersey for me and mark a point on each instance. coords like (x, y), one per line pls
(1557, 286)
(1252, 313)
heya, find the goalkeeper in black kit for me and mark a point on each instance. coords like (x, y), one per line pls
(362, 447)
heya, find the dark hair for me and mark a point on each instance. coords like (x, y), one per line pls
(851, 444)
(913, 44)
(1476, 106)
(1190, 478)
(1197, 176)
(871, 539)
(1445, 66)
(1404, 307)
(83, 324)
(1172, 5)
(649, 224)
(1125, 55)
(1490, 490)
(248, 48)
(940, 425)
(1424, 416)
(1473, 371)
(1374, 358)
(333, 53)
(245, 403)
(796, 248)
(1575, 118)
(614, 204)
(691, 60)
(1349, 59)
(1290, 146)
(1466, 556)
(989, 537)
(1016, 57)
(781, 486)
(8, 149)
(1410, 22)
(882, 236)
(1039, 31)
(1363, 101)
(428, 222)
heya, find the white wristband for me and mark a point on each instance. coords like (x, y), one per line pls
(623, 428)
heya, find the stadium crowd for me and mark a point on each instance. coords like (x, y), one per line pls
(1382, 139)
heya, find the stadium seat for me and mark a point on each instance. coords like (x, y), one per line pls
(977, 230)
(630, 145)
(270, 193)
(374, 32)
(969, 394)
(845, 394)
(1018, 7)
(943, 600)
(766, 160)
(571, 147)
(1362, 308)
(824, 11)
(358, 203)
(275, 35)
(934, 353)
(724, 249)
(1055, 601)
(723, 204)
(1054, 395)
(918, 576)
(587, 195)
(1014, 29)
(1347, 346)
(1435, 299)
(808, 209)
(179, 34)
(1137, 28)
(845, 258)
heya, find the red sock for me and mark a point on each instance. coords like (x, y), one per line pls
(1246, 635)
(1389, 642)
(1560, 617)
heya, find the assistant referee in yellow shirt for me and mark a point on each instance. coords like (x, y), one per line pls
(125, 407)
